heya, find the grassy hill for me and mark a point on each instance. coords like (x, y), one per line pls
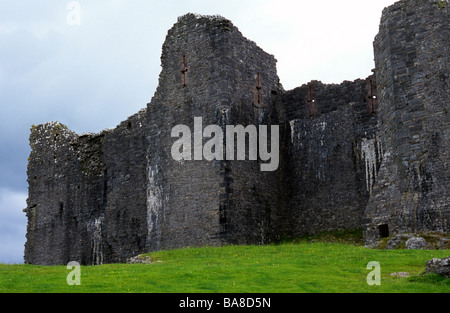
(303, 266)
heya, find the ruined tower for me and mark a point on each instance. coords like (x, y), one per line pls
(411, 193)
(210, 71)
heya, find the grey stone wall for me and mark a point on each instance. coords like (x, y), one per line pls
(412, 61)
(195, 203)
(372, 152)
(86, 193)
(51, 158)
(123, 220)
(333, 155)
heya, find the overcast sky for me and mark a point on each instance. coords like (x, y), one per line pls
(94, 75)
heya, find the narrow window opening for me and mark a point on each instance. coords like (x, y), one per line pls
(184, 70)
(311, 100)
(61, 208)
(258, 90)
(371, 96)
(383, 230)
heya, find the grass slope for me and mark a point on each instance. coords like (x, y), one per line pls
(295, 267)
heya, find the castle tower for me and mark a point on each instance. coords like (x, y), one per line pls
(211, 73)
(412, 70)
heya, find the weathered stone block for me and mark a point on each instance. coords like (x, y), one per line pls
(439, 267)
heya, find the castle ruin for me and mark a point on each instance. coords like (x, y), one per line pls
(370, 154)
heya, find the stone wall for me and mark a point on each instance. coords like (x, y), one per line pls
(412, 61)
(84, 194)
(122, 223)
(333, 155)
(372, 152)
(51, 158)
(210, 71)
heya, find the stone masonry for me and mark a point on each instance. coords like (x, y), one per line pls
(412, 69)
(370, 154)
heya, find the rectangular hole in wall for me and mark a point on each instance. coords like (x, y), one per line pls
(383, 230)
(61, 209)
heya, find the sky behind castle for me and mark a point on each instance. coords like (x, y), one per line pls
(93, 74)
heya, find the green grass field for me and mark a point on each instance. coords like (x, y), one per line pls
(294, 267)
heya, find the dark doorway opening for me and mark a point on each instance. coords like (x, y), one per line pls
(384, 230)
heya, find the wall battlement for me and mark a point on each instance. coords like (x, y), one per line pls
(371, 154)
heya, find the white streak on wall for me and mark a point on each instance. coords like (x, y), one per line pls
(154, 206)
(261, 116)
(323, 125)
(95, 227)
(380, 151)
(371, 152)
(297, 140)
(292, 123)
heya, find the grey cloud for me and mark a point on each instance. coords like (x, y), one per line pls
(12, 226)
